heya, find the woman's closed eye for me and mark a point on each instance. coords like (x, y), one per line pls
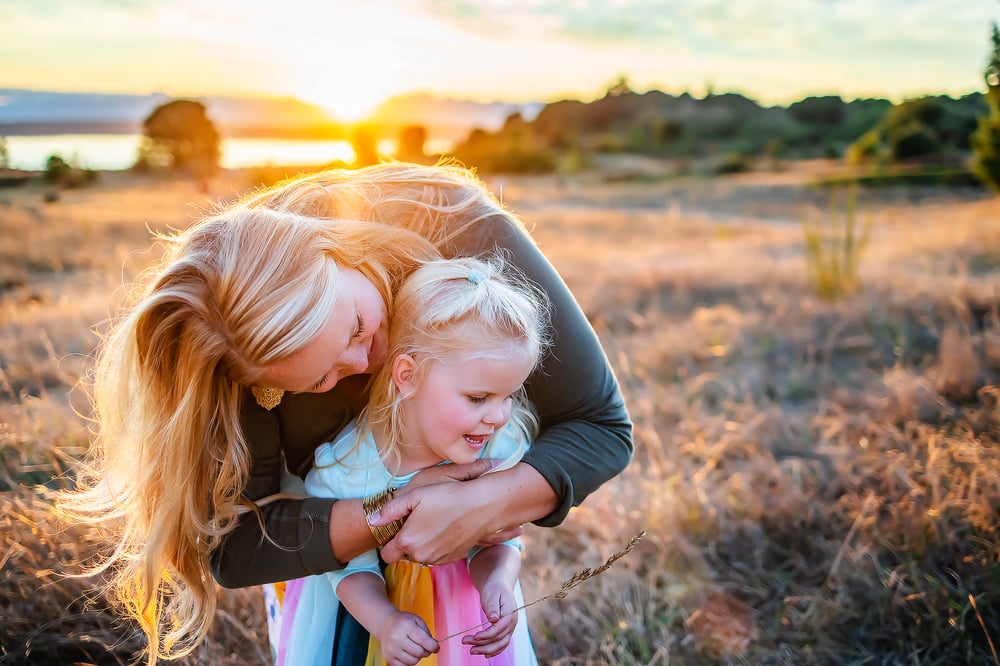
(320, 382)
(477, 399)
(359, 328)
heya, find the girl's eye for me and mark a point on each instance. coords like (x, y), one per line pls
(477, 399)
(320, 382)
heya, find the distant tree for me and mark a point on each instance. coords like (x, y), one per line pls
(619, 87)
(911, 141)
(986, 139)
(4, 153)
(364, 141)
(668, 131)
(181, 136)
(411, 143)
(56, 169)
(827, 111)
(922, 128)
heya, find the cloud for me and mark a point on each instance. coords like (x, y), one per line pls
(748, 26)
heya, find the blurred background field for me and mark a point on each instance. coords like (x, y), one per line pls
(818, 477)
(781, 219)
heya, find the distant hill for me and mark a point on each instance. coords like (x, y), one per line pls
(448, 119)
(46, 112)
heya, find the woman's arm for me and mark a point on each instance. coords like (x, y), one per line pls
(310, 536)
(585, 439)
(586, 433)
(297, 541)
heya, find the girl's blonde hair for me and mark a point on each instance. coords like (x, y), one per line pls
(461, 308)
(235, 292)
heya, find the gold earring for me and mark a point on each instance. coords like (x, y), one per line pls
(267, 397)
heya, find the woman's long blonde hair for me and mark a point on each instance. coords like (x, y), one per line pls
(458, 308)
(235, 292)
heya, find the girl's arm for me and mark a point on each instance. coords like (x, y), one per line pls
(494, 572)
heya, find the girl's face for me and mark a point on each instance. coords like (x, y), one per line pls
(351, 342)
(455, 406)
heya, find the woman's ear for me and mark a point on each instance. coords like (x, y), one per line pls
(404, 373)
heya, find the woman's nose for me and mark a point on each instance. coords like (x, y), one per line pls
(356, 360)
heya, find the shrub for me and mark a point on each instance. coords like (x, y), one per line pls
(834, 245)
(735, 162)
(986, 139)
(911, 141)
(60, 172)
(868, 148)
(986, 151)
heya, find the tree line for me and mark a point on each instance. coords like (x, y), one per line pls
(728, 131)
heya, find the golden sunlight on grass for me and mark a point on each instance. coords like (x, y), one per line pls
(819, 480)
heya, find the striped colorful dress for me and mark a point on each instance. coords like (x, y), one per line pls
(304, 615)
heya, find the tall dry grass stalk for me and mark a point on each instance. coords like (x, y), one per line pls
(571, 582)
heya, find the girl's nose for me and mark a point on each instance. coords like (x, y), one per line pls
(499, 414)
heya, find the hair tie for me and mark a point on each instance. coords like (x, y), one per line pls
(475, 277)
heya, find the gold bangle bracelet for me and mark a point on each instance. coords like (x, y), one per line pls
(383, 534)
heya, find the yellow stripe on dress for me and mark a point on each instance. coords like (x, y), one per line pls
(410, 590)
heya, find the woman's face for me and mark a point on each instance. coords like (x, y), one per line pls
(352, 341)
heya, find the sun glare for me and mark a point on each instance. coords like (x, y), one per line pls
(348, 101)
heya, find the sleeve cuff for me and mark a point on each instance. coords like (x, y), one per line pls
(314, 534)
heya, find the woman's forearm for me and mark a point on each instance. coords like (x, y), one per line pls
(350, 534)
(521, 492)
(286, 539)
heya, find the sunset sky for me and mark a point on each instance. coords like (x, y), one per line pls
(348, 56)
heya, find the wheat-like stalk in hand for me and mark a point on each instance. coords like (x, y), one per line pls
(571, 582)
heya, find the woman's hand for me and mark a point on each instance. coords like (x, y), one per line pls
(444, 520)
(463, 472)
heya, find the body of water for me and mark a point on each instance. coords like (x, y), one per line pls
(111, 152)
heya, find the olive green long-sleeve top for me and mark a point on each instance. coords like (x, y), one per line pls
(585, 437)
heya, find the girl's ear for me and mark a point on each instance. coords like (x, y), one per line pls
(404, 373)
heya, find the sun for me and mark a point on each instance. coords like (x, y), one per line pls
(347, 102)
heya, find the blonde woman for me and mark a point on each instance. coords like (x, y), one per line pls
(253, 342)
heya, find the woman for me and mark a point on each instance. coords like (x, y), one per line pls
(253, 344)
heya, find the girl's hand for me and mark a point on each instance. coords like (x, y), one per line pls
(497, 599)
(498, 537)
(448, 474)
(405, 639)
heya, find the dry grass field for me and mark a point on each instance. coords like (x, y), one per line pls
(819, 481)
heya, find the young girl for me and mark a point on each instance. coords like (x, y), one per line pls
(464, 336)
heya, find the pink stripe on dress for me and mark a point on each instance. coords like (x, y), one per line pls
(290, 602)
(457, 608)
